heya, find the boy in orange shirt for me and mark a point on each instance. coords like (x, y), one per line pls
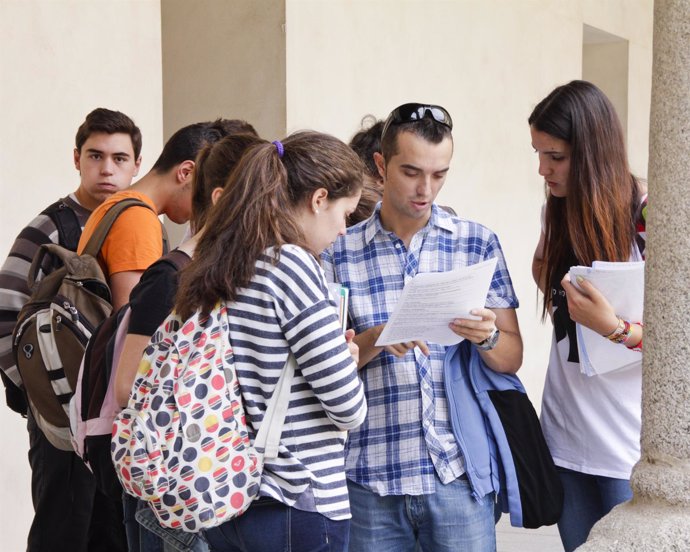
(135, 240)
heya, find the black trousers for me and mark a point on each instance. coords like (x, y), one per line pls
(70, 514)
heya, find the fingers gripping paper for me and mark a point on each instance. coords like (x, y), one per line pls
(430, 301)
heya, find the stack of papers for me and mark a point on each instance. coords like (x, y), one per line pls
(623, 286)
(430, 301)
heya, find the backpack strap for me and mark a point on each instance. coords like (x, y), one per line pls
(268, 437)
(179, 259)
(66, 222)
(96, 240)
(166, 240)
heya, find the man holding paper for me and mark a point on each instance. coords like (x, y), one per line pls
(405, 469)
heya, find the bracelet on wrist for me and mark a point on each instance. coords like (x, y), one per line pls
(620, 327)
(638, 345)
(622, 332)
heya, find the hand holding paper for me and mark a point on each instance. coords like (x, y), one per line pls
(476, 330)
(622, 284)
(351, 345)
(431, 301)
(588, 307)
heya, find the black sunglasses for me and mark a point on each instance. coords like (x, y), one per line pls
(411, 112)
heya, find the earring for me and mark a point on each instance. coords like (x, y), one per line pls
(316, 211)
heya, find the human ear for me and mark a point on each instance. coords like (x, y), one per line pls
(380, 165)
(137, 166)
(319, 199)
(215, 195)
(185, 170)
(77, 159)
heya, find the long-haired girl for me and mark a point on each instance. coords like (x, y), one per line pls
(594, 211)
(286, 202)
(151, 301)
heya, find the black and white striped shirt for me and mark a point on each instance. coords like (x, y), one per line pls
(287, 306)
(14, 290)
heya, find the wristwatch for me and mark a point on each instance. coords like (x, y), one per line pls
(490, 342)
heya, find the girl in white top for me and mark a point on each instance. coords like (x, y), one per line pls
(284, 203)
(594, 212)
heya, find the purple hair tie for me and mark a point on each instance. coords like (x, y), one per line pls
(279, 146)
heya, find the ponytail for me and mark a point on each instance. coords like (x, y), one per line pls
(213, 166)
(258, 211)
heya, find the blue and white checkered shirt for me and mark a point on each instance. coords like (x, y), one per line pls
(407, 436)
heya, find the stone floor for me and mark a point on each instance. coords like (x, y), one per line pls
(515, 539)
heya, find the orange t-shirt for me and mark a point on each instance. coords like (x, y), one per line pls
(135, 240)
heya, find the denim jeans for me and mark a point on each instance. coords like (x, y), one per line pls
(270, 526)
(587, 498)
(448, 520)
(145, 534)
(172, 540)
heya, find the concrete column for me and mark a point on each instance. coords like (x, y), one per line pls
(658, 517)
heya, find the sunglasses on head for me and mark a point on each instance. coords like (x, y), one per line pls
(411, 112)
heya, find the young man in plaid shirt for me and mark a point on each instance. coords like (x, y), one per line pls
(405, 469)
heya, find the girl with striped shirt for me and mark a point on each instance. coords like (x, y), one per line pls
(283, 205)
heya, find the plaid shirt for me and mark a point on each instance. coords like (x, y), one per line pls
(407, 436)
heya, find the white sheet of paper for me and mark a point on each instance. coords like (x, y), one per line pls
(430, 301)
(623, 286)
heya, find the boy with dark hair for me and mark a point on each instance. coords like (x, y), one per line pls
(107, 156)
(367, 143)
(105, 172)
(189, 140)
(109, 122)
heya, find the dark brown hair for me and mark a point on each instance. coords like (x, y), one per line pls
(427, 128)
(366, 142)
(372, 191)
(109, 122)
(187, 142)
(258, 210)
(213, 166)
(596, 219)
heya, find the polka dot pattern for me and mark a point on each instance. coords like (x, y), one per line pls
(182, 442)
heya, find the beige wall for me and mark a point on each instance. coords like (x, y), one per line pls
(631, 20)
(58, 61)
(488, 61)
